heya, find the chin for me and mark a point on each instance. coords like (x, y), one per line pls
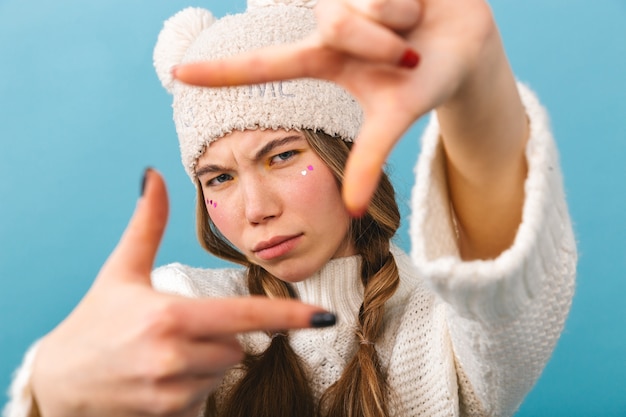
(292, 272)
(290, 277)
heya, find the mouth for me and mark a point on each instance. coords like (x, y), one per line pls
(276, 246)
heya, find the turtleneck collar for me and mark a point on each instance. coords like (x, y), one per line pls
(336, 287)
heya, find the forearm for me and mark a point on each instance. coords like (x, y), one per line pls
(515, 305)
(484, 131)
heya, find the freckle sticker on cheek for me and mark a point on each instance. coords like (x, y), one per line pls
(304, 171)
(211, 203)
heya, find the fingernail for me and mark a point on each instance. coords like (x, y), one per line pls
(323, 320)
(173, 71)
(410, 59)
(144, 180)
(358, 213)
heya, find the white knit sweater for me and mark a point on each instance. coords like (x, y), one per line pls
(461, 338)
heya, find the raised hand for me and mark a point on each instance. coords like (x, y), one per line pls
(127, 350)
(370, 48)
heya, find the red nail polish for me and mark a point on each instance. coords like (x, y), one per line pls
(357, 214)
(410, 59)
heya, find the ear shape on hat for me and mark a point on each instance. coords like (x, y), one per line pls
(297, 3)
(177, 35)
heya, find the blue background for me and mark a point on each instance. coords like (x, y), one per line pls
(82, 113)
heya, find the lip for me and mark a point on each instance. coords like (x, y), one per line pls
(276, 246)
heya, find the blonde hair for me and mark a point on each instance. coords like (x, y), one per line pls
(362, 389)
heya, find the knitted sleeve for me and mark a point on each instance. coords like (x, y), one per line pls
(504, 316)
(187, 281)
(21, 401)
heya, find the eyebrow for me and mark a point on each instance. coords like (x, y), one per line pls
(260, 154)
(270, 146)
(208, 169)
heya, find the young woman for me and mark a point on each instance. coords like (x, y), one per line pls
(463, 327)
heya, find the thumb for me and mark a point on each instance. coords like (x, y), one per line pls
(364, 167)
(134, 256)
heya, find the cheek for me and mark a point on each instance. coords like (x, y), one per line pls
(220, 218)
(316, 188)
(308, 169)
(210, 204)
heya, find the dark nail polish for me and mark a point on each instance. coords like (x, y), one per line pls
(323, 320)
(410, 59)
(144, 180)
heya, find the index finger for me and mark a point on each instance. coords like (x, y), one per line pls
(210, 317)
(379, 133)
(306, 58)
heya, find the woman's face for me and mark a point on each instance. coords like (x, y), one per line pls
(275, 200)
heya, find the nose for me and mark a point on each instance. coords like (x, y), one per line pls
(261, 201)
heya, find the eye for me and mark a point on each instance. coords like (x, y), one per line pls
(220, 179)
(283, 156)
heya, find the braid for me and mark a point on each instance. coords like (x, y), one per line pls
(275, 383)
(362, 390)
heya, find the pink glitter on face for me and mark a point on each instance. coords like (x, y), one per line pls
(211, 203)
(310, 168)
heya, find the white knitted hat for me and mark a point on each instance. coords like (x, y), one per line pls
(203, 115)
